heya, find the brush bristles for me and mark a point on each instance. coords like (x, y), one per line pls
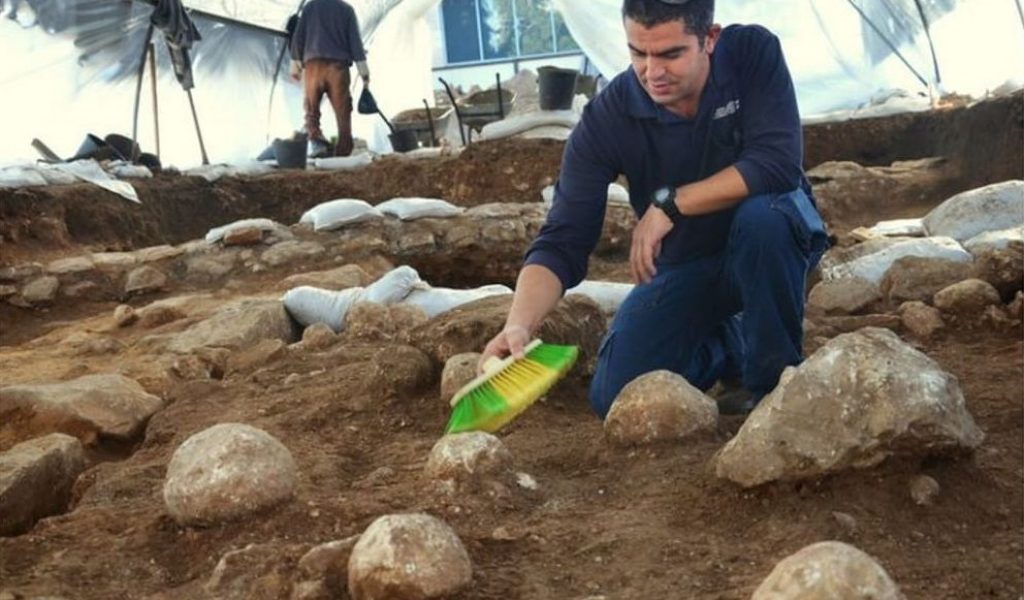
(509, 392)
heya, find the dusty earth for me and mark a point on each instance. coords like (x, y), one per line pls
(604, 523)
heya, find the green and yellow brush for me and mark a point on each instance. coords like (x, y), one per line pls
(508, 386)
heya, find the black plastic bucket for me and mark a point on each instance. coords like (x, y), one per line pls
(94, 147)
(290, 154)
(556, 87)
(404, 140)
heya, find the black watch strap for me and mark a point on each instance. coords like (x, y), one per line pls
(665, 199)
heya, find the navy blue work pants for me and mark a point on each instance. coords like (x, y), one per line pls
(738, 313)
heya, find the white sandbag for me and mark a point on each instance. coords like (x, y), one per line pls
(55, 176)
(518, 124)
(212, 173)
(898, 227)
(309, 305)
(994, 240)
(123, 170)
(217, 233)
(19, 177)
(343, 163)
(547, 132)
(435, 301)
(393, 286)
(872, 267)
(407, 209)
(616, 195)
(609, 295)
(338, 213)
(991, 208)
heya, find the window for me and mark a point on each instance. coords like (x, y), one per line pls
(477, 30)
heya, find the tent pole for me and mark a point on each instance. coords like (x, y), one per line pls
(156, 107)
(199, 134)
(931, 45)
(138, 86)
(888, 43)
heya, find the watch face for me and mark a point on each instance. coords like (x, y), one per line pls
(662, 195)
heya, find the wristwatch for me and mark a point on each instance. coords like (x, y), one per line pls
(665, 199)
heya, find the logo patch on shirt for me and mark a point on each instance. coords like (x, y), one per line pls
(729, 108)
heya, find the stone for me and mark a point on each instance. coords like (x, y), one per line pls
(292, 251)
(125, 315)
(920, 319)
(36, 478)
(328, 560)
(341, 278)
(1015, 310)
(874, 265)
(402, 370)
(467, 463)
(408, 557)
(156, 315)
(858, 400)
(458, 371)
(995, 240)
(243, 236)
(89, 407)
(847, 522)
(237, 325)
(82, 289)
(828, 571)
(416, 241)
(227, 472)
(191, 368)
(967, 298)
(255, 571)
(991, 208)
(406, 316)
(6, 291)
(311, 590)
(144, 280)
(1003, 268)
(41, 290)
(319, 336)
(255, 356)
(917, 278)
(369, 321)
(158, 253)
(214, 267)
(996, 317)
(467, 328)
(923, 490)
(20, 272)
(851, 323)
(114, 260)
(844, 296)
(659, 406)
(67, 266)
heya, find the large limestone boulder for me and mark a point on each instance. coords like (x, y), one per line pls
(656, 407)
(41, 290)
(576, 320)
(991, 208)
(828, 571)
(920, 319)
(341, 278)
(227, 472)
(144, 280)
(917, 278)
(861, 398)
(238, 325)
(89, 408)
(36, 479)
(408, 557)
(874, 265)
(469, 462)
(458, 371)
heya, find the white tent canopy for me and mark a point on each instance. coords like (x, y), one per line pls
(74, 72)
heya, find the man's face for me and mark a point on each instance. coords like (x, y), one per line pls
(671, 63)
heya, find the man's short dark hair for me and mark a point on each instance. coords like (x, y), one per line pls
(697, 15)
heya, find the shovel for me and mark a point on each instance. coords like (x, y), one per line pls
(368, 105)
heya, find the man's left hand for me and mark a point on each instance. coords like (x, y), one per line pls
(647, 236)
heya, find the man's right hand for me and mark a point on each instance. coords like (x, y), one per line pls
(511, 340)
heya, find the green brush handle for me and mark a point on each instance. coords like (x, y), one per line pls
(491, 366)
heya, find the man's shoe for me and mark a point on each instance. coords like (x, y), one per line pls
(319, 149)
(737, 401)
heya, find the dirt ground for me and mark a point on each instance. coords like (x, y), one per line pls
(604, 523)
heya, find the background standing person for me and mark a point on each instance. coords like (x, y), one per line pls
(324, 45)
(705, 127)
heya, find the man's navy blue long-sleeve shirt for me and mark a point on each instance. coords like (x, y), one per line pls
(747, 118)
(328, 29)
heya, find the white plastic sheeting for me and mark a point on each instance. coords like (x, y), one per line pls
(833, 66)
